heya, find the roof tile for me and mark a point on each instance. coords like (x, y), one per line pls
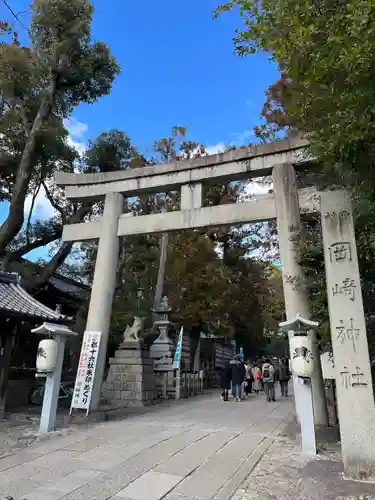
(14, 299)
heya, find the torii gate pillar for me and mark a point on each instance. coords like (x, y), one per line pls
(103, 287)
(296, 298)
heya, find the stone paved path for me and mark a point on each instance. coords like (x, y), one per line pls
(283, 473)
(201, 448)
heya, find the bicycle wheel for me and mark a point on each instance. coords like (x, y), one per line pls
(36, 396)
(70, 391)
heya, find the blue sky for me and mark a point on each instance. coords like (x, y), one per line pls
(178, 68)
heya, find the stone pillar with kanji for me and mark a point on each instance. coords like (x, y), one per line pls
(355, 398)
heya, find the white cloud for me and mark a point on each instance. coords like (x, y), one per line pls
(254, 188)
(79, 146)
(77, 131)
(42, 210)
(216, 148)
(76, 128)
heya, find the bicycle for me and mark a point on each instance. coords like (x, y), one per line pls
(36, 394)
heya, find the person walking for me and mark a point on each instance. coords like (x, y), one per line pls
(268, 376)
(284, 377)
(238, 376)
(249, 379)
(225, 377)
(277, 367)
(257, 377)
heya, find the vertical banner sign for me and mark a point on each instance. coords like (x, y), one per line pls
(234, 347)
(242, 356)
(86, 371)
(177, 354)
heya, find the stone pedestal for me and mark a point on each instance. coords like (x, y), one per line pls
(130, 379)
(162, 353)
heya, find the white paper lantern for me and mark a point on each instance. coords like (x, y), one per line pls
(46, 355)
(302, 360)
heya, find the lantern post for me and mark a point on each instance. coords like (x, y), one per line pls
(50, 357)
(303, 366)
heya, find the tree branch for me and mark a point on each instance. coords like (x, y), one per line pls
(55, 205)
(15, 255)
(36, 192)
(40, 242)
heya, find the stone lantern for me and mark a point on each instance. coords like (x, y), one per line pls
(303, 365)
(162, 350)
(50, 357)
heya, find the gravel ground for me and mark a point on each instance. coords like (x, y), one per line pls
(284, 474)
(15, 436)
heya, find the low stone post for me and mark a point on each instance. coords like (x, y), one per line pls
(329, 377)
(162, 350)
(178, 384)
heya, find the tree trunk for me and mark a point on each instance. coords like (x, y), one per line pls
(57, 260)
(161, 271)
(13, 223)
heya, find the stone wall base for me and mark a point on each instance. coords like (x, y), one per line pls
(130, 379)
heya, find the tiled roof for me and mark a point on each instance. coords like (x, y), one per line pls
(69, 287)
(16, 301)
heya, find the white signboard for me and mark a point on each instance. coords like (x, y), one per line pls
(86, 371)
(177, 354)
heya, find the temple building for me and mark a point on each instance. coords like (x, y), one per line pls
(56, 302)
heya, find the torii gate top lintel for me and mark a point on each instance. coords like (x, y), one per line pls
(233, 165)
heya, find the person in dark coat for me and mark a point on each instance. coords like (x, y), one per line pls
(225, 376)
(238, 376)
(284, 377)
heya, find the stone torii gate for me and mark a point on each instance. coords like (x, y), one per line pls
(355, 397)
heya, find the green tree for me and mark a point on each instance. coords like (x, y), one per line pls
(324, 52)
(110, 151)
(39, 86)
(167, 151)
